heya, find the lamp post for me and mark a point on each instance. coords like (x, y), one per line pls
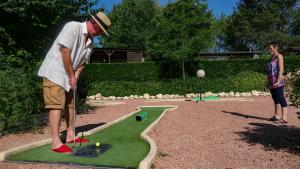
(200, 75)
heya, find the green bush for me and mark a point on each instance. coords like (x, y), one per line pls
(20, 100)
(242, 82)
(139, 78)
(293, 88)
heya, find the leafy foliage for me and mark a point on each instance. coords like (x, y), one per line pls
(131, 23)
(293, 88)
(20, 99)
(255, 22)
(182, 29)
(20, 18)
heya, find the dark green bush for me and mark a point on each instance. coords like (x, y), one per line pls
(20, 100)
(138, 78)
(242, 82)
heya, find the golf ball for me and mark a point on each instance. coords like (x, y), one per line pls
(97, 144)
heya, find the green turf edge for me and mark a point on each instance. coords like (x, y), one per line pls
(127, 147)
(206, 98)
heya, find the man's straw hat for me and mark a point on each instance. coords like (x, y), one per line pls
(102, 20)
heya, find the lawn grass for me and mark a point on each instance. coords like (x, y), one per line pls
(127, 149)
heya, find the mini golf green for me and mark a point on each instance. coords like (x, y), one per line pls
(206, 98)
(127, 149)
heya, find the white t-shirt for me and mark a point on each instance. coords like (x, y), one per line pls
(72, 36)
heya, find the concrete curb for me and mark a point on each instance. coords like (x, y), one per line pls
(148, 160)
(16, 150)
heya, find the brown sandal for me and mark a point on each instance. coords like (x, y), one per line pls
(274, 118)
(283, 121)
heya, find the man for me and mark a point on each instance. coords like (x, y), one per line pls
(61, 70)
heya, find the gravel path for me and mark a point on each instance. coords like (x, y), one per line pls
(209, 135)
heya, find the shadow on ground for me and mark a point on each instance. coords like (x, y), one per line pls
(245, 115)
(273, 137)
(82, 128)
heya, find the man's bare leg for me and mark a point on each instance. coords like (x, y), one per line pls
(70, 124)
(54, 119)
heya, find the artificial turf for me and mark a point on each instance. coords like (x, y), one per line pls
(127, 149)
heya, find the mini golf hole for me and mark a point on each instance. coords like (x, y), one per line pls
(92, 150)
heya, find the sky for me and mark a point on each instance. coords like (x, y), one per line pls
(217, 6)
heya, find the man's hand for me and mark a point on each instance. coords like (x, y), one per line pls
(78, 71)
(73, 82)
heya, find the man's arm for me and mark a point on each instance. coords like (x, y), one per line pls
(78, 71)
(66, 57)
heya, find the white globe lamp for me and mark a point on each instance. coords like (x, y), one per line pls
(200, 73)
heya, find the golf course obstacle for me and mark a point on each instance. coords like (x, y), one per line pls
(208, 98)
(118, 147)
(142, 116)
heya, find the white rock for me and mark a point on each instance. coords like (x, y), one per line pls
(222, 94)
(112, 97)
(93, 97)
(166, 96)
(193, 95)
(152, 97)
(98, 95)
(99, 98)
(237, 94)
(243, 94)
(188, 95)
(119, 98)
(146, 96)
(208, 94)
(159, 96)
(172, 96)
(231, 94)
(126, 98)
(255, 93)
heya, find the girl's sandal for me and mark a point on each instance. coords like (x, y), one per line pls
(283, 121)
(274, 118)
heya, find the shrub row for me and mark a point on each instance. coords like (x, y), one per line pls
(245, 81)
(138, 78)
(150, 71)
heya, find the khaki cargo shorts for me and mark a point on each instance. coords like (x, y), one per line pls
(55, 96)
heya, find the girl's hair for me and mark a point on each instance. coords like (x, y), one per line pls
(274, 44)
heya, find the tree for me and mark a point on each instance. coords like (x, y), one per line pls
(131, 23)
(32, 25)
(255, 22)
(181, 30)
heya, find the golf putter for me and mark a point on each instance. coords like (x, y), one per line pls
(74, 116)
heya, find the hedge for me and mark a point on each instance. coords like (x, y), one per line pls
(123, 79)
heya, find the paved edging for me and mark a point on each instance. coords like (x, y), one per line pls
(19, 149)
(148, 160)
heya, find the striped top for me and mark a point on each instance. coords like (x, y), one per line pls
(272, 73)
